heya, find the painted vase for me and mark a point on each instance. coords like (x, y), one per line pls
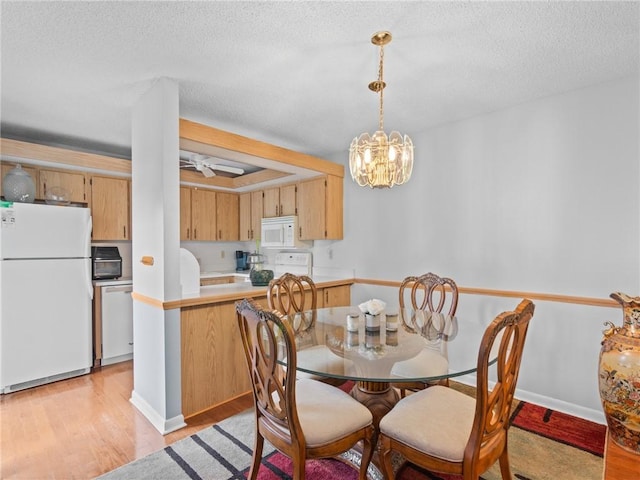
(619, 375)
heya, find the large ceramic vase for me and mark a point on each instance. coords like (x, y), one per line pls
(619, 375)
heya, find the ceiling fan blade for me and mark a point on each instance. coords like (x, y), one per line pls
(206, 171)
(226, 168)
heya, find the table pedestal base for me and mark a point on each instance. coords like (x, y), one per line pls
(378, 397)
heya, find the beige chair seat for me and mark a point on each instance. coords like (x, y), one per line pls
(316, 401)
(319, 358)
(436, 421)
(427, 363)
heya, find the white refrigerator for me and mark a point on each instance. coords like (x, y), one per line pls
(45, 294)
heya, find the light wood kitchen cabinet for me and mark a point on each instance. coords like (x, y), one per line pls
(73, 182)
(251, 212)
(339, 296)
(185, 213)
(203, 215)
(213, 363)
(227, 217)
(33, 171)
(110, 208)
(280, 201)
(320, 204)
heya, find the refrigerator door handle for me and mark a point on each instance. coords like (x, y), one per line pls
(87, 235)
(89, 282)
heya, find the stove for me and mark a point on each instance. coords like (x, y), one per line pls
(297, 263)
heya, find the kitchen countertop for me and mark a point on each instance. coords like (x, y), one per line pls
(226, 292)
(228, 273)
(113, 281)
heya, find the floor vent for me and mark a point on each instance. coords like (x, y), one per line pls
(45, 380)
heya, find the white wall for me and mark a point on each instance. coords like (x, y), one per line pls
(542, 197)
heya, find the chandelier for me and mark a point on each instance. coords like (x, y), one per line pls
(379, 161)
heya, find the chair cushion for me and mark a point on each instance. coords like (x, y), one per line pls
(436, 421)
(327, 413)
(427, 363)
(320, 358)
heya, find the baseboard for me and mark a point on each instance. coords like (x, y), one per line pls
(163, 425)
(593, 415)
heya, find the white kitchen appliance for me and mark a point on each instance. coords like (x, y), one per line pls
(282, 232)
(114, 317)
(297, 263)
(45, 294)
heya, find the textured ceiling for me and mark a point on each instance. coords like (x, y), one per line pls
(296, 73)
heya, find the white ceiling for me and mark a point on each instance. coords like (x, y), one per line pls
(296, 73)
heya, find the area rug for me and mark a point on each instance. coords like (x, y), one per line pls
(543, 445)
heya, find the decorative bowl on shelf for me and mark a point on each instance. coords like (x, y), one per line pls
(57, 196)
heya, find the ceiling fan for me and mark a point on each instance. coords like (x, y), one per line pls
(206, 165)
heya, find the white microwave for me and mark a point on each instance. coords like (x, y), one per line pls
(281, 232)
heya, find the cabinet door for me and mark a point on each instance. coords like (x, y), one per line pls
(212, 356)
(334, 201)
(74, 183)
(245, 216)
(288, 200)
(33, 171)
(203, 214)
(271, 202)
(185, 213)
(336, 296)
(227, 217)
(256, 214)
(311, 209)
(110, 208)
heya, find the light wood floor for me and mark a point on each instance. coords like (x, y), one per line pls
(83, 427)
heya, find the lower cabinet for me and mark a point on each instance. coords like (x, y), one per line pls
(339, 296)
(213, 364)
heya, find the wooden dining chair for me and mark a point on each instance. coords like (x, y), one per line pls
(302, 418)
(434, 294)
(443, 430)
(429, 292)
(292, 294)
(296, 296)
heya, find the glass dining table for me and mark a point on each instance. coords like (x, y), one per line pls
(401, 346)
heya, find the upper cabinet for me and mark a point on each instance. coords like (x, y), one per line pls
(320, 206)
(280, 201)
(185, 213)
(250, 215)
(110, 208)
(227, 217)
(203, 215)
(207, 215)
(73, 183)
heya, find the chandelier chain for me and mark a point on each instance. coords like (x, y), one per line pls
(381, 87)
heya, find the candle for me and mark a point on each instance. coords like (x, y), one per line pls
(392, 321)
(353, 319)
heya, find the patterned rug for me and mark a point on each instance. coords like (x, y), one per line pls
(543, 445)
